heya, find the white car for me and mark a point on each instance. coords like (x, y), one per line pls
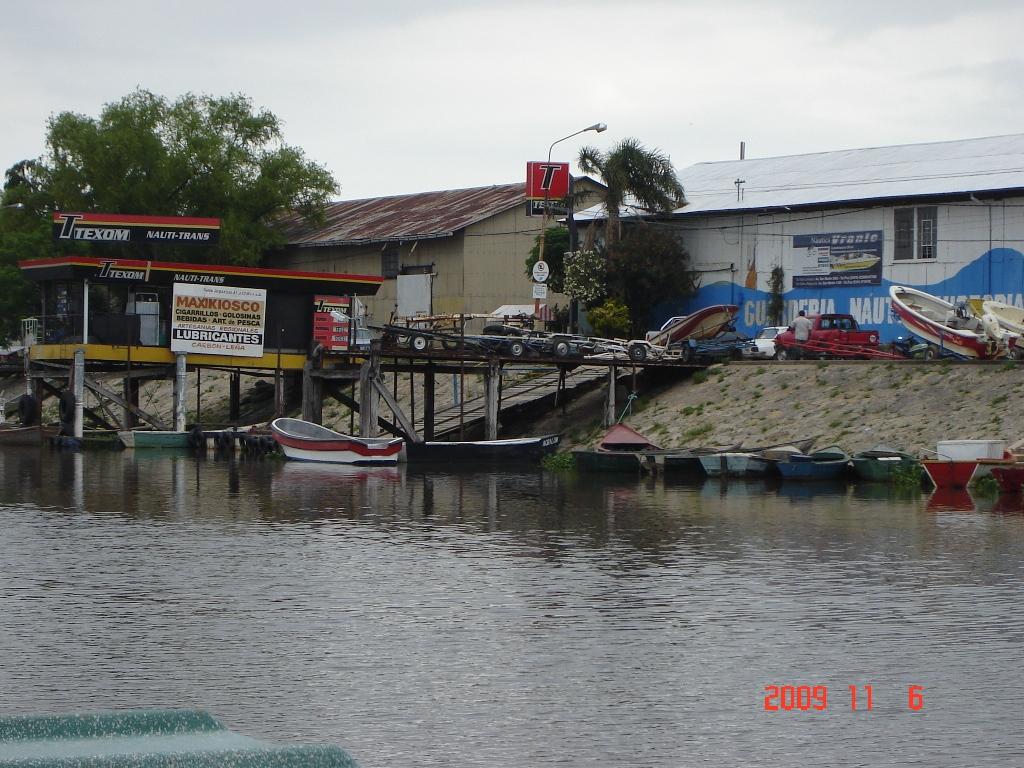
(764, 343)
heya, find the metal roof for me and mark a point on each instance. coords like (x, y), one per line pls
(850, 176)
(420, 216)
(856, 175)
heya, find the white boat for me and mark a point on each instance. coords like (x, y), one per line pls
(305, 441)
(949, 328)
(852, 262)
(1010, 317)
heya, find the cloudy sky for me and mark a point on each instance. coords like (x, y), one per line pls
(407, 96)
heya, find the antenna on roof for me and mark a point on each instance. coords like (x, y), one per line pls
(743, 150)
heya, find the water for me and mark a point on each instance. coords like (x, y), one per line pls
(513, 619)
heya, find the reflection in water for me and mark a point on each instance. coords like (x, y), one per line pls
(511, 618)
(950, 500)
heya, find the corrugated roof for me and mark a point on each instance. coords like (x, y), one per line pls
(912, 170)
(420, 216)
(994, 164)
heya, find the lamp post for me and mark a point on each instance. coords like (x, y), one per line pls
(597, 128)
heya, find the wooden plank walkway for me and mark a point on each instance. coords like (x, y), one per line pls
(515, 393)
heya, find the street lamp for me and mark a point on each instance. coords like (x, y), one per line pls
(597, 128)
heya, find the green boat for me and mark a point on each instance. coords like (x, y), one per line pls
(152, 438)
(610, 461)
(149, 739)
(879, 463)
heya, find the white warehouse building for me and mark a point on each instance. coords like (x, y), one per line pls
(946, 218)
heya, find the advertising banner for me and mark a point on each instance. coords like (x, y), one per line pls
(218, 320)
(837, 259)
(121, 228)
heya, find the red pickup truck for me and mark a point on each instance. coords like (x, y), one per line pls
(831, 336)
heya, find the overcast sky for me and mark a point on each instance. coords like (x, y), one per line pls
(409, 96)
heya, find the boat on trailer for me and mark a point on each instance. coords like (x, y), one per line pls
(950, 328)
(305, 441)
(703, 324)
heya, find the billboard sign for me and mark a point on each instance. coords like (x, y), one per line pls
(547, 180)
(119, 228)
(836, 259)
(218, 320)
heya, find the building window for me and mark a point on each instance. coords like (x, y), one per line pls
(916, 233)
(389, 262)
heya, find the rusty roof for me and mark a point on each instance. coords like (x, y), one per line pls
(420, 216)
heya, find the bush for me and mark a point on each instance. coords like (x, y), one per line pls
(610, 320)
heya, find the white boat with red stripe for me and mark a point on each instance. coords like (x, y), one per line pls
(305, 441)
(951, 328)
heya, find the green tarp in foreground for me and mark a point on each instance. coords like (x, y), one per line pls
(148, 739)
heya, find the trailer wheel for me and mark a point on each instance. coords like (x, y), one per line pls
(562, 349)
(638, 353)
(419, 342)
(932, 353)
(516, 348)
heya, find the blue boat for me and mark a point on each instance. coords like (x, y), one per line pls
(827, 464)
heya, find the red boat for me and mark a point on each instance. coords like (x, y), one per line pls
(1009, 477)
(948, 328)
(946, 473)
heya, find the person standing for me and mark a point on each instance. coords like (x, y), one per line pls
(802, 331)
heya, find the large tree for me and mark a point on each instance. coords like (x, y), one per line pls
(147, 155)
(195, 156)
(631, 173)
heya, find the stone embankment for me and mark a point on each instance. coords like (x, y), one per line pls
(856, 405)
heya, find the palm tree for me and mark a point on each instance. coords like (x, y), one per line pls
(630, 171)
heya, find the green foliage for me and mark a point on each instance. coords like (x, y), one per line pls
(631, 172)
(985, 487)
(647, 267)
(610, 320)
(776, 288)
(559, 462)
(699, 377)
(556, 244)
(585, 276)
(196, 156)
(907, 477)
(696, 432)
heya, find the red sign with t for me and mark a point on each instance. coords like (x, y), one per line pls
(547, 181)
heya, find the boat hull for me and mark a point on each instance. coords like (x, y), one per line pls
(608, 461)
(812, 470)
(927, 316)
(881, 468)
(950, 474)
(305, 441)
(1009, 478)
(703, 324)
(527, 449)
(34, 435)
(735, 464)
(154, 439)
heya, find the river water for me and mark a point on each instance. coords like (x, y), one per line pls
(515, 619)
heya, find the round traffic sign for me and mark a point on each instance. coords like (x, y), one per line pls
(541, 271)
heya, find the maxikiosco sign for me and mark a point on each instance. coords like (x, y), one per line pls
(218, 320)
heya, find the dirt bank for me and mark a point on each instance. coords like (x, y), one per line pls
(910, 405)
